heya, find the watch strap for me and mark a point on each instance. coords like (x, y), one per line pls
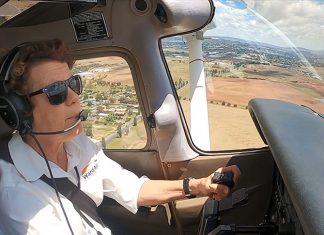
(186, 188)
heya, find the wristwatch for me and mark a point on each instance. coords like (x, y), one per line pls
(186, 189)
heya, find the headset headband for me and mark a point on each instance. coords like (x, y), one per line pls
(6, 65)
(15, 109)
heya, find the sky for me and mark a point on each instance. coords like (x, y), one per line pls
(297, 23)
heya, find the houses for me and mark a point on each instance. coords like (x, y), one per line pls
(110, 104)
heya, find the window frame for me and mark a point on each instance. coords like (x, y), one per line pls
(185, 126)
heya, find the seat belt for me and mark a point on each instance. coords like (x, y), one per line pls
(79, 199)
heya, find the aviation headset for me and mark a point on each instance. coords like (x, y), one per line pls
(15, 110)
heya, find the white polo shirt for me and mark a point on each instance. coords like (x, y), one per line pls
(30, 206)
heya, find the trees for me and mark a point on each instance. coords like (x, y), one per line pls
(110, 118)
(119, 130)
(103, 142)
(88, 129)
(85, 96)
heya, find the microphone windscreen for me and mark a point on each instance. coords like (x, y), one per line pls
(83, 115)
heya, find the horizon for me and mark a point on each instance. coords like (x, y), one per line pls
(264, 43)
(180, 38)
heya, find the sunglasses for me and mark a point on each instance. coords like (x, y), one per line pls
(57, 91)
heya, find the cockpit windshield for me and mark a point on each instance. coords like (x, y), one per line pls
(273, 42)
(251, 49)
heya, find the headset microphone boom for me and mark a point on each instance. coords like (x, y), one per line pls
(82, 117)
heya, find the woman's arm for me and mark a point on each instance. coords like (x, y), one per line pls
(155, 192)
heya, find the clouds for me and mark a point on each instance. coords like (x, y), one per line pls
(278, 10)
(301, 21)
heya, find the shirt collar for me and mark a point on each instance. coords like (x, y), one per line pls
(32, 166)
(73, 151)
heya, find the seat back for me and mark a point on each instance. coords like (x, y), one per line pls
(5, 130)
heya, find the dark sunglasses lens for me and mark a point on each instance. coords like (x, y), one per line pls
(57, 93)
(75, 84)
(57, 99)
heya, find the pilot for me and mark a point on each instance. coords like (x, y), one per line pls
(40, 72)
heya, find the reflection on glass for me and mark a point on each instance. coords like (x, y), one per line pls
(259, 49)
(273, 58)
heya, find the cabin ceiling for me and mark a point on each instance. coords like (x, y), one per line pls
(126, 21)
(41, 12)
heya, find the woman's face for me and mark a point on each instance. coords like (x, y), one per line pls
(48, 117)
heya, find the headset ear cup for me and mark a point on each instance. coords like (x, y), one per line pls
(16, 111)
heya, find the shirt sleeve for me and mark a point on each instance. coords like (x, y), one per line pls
(120, 184)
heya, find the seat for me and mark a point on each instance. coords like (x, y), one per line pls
(5, 130)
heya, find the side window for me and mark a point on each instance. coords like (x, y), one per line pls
(115, 120)
(236, 68)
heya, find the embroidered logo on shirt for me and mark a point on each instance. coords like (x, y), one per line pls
(89, 169)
